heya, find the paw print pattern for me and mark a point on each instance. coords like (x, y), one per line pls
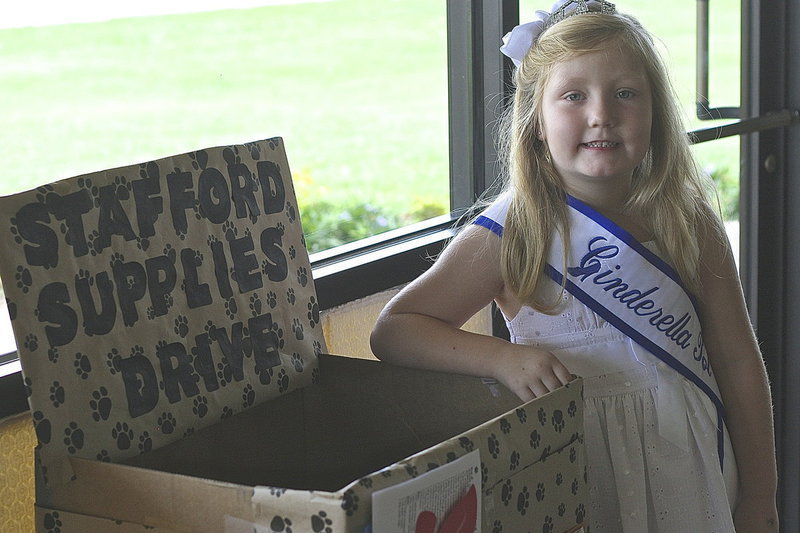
(182, 326)
(57, 394)
(52, 522)
(167, 423)
(145, 442)
(466, 443)
(291, 297)
(522, 415)
(302, 276)
(272, 300)
(320, 523)
(547, 525)
(31, 342)
(112, 361)
(100, 404)
(523, 501)
(505, 426)
(313, 312)
(572, 409)
(42, 427)
(497, 527)
(256, 306)
(297, 328)
(349, 502)
(558, 420)
(297, 362)
(539, 492)
(200, 406)
(82, 365)
(494, 445)
(52, 354)
(123, 435)
(73, 437)
(248, 396)
(280, 525)
(283, 381)
(514, 460)
(580, 513)
(24, 279)
(542, 416)
(507, 492)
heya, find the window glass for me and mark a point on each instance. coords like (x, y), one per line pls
(356, 88)
(674, 27)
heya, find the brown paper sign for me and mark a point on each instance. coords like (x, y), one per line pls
(151, 300)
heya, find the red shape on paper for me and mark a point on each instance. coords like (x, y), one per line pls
(464, 516)
(426, 522)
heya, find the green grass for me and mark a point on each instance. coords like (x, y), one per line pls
(360, 97)
(357, 89)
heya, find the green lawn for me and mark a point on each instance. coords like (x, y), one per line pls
(357, 89)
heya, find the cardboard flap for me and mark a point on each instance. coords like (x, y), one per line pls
(151, 300)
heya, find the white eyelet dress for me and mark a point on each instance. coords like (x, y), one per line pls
(651, 435)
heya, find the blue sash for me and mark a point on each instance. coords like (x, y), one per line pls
(638, 293)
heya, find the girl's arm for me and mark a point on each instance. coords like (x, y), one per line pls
(421, 325)
(743, 383)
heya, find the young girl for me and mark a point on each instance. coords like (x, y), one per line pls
(605, 259)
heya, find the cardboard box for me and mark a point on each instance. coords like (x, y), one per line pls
(169, 333)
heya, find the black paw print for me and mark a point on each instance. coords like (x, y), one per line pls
(52, 522)
(580, 513)
(278, 335)
(24, 279)
(42, 427)
(291, 297)
(272, 300)
(200, 406)
(280, 525)
(283, 381)
(73, 438)
(229, 230)
(313, 312)
(224, 372)
(514, 460)
(302, 276)
(494, 445)
(315, 376)
(523, 501)
(31, 342)
(562, 509)
(255, 305)
(292, 252)
(573, 455)
(505, 426)
(103, 456)
(297, 328)
(100, 404)
(522, 415)
(547, 525)
(231, 308)
(466, 443)
(572, 409)
(182, 326)
(349, 502)
(52, 354)
(559, 479)
(291, 212)
(199, 159)
(411, 470)
(317, 348)
(122, 434)
(574, 487)
(542, 415)
(82, 365)
(113, 360)
(248, 396)
(297, 362)
(539, 492)
(167, 423)
(227, 412)
(497, 527)
(57, 394)
(507, 492)
(558, 420)
(145, 442)
(320, 523)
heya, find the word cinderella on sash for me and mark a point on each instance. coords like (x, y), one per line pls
(638, 300)
(638, 293)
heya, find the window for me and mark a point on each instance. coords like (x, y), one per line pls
(357, 90)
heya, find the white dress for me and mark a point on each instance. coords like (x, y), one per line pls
(650, 434)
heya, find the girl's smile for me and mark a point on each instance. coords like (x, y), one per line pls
(597, 115)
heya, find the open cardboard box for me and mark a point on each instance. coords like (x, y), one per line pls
(169, 333)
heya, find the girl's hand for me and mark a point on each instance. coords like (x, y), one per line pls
(529, 372)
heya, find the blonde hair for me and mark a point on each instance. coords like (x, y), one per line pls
(667, 185)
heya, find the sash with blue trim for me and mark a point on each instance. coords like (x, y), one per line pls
(635, 291)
